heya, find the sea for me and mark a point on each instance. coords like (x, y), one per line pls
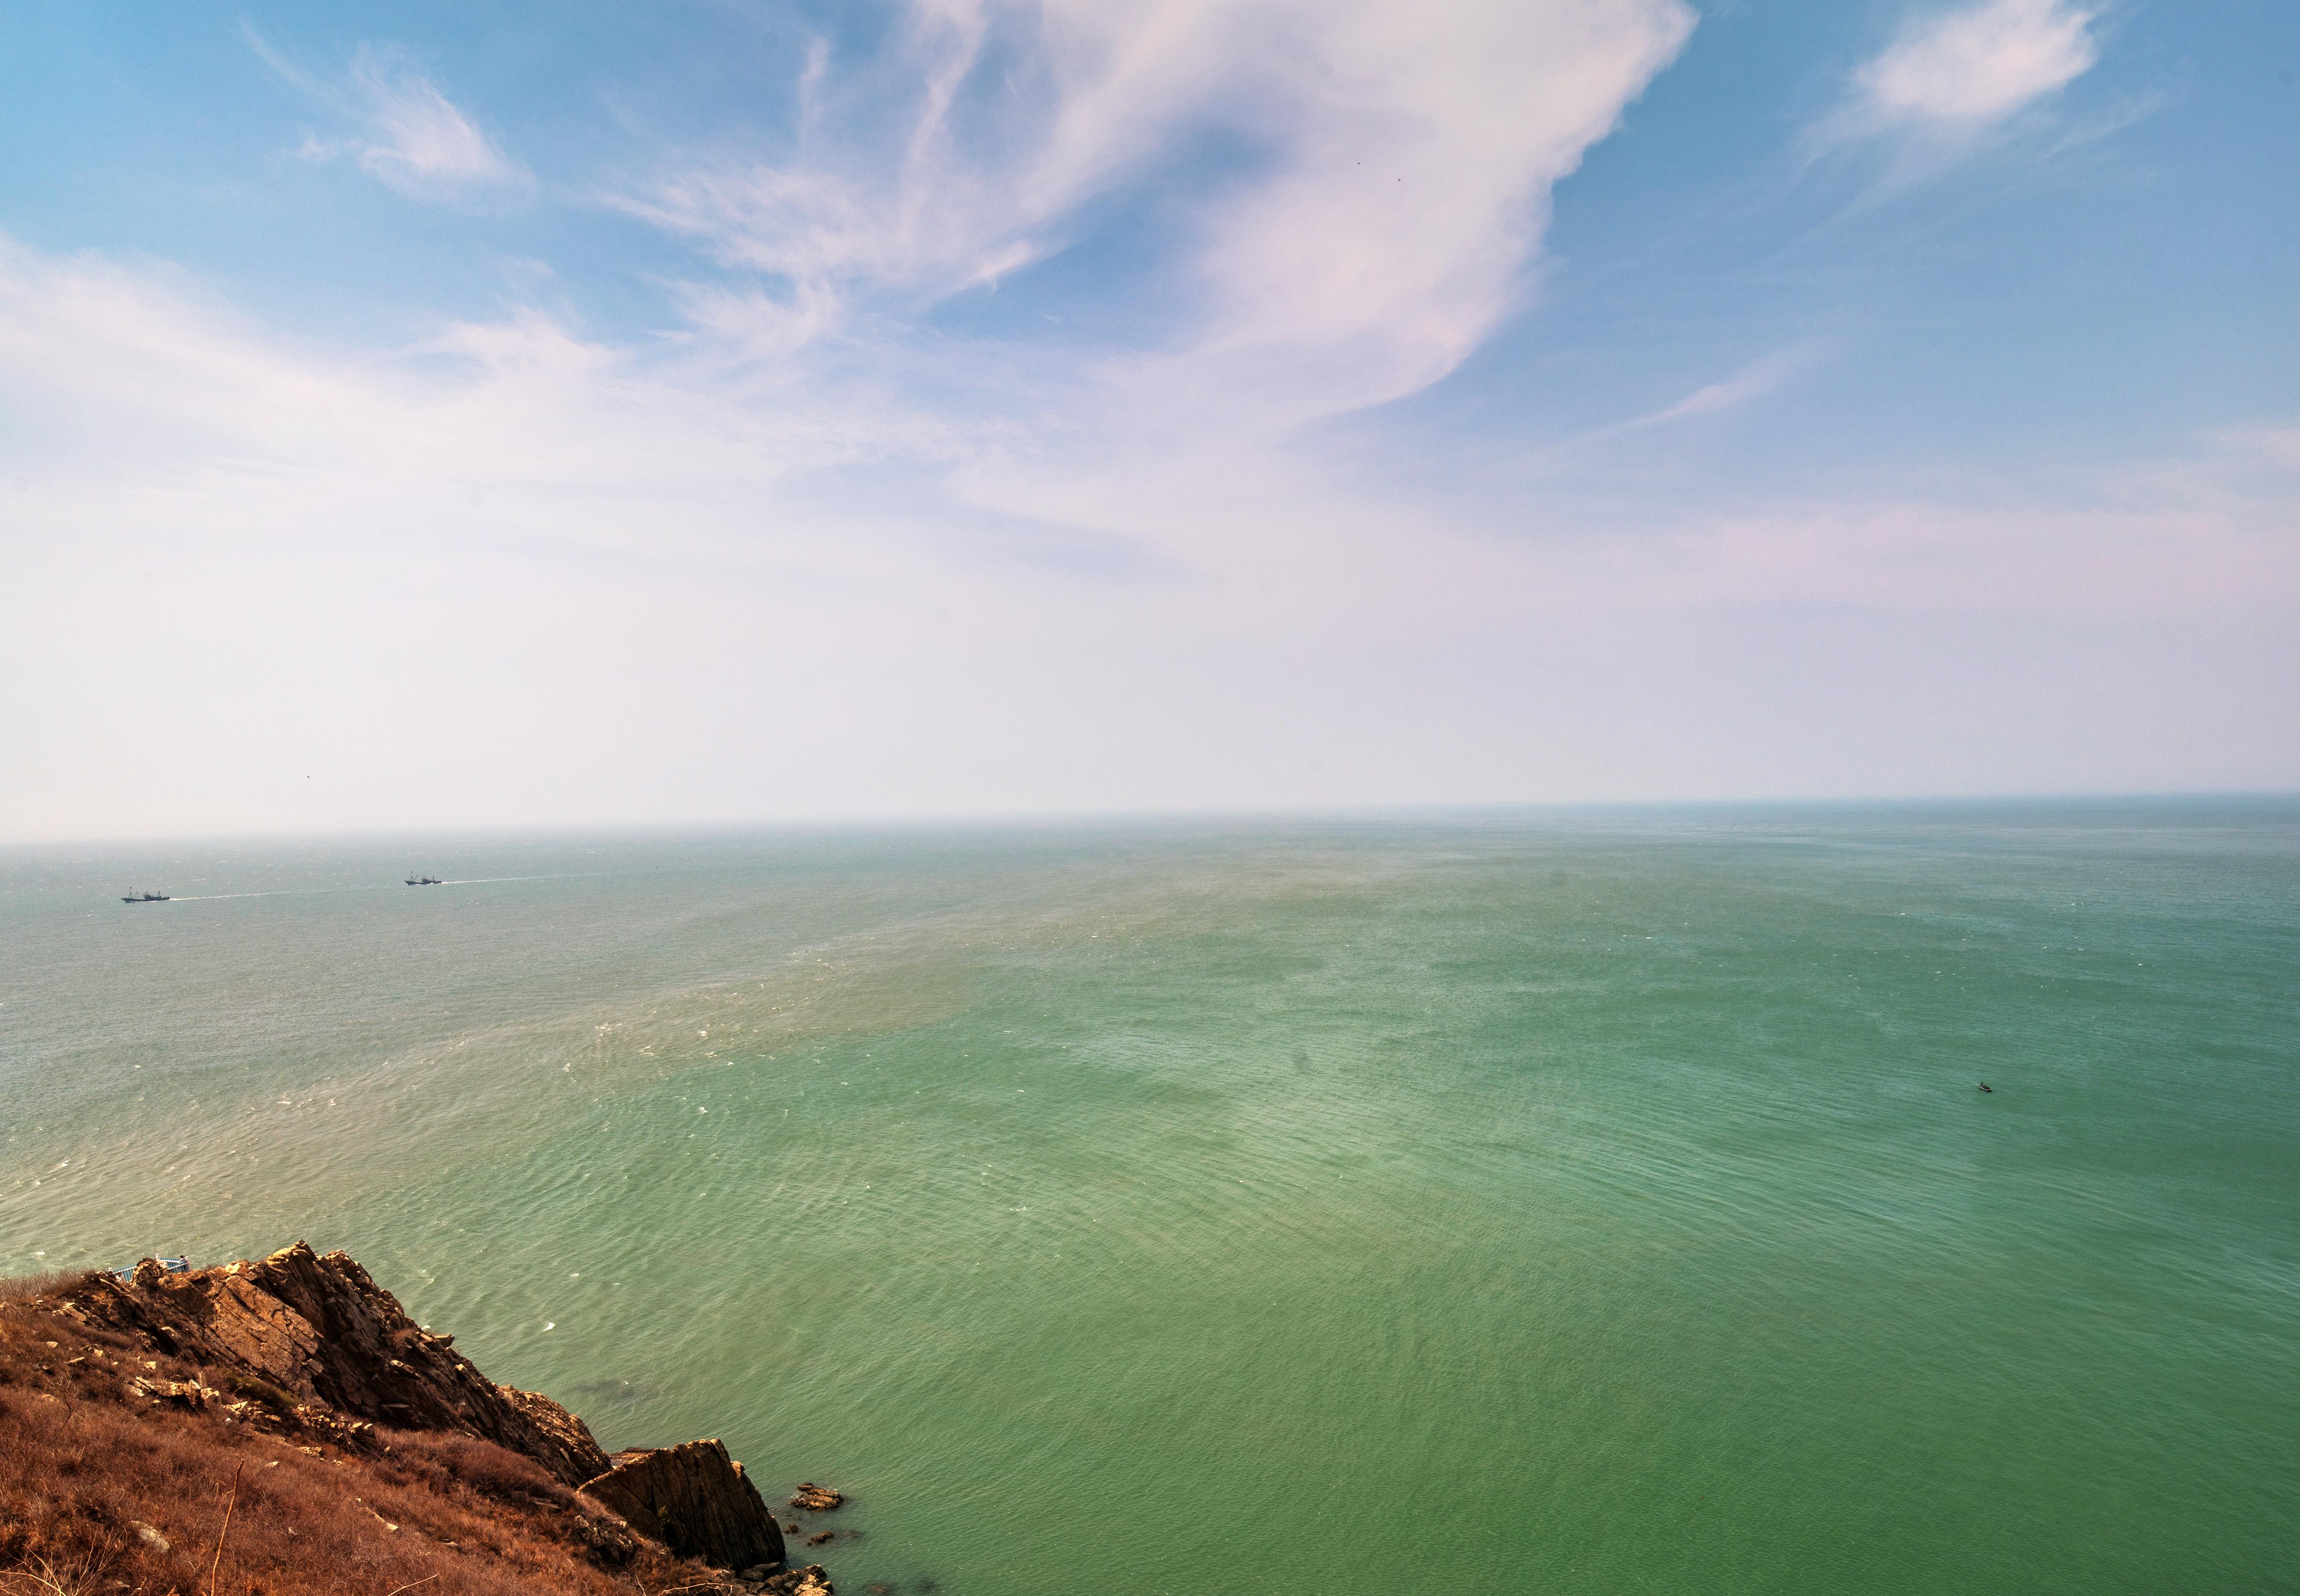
(1562, 1201)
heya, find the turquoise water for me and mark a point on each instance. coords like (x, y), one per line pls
(1596, 1202)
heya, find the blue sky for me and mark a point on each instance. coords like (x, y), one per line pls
(425, 415)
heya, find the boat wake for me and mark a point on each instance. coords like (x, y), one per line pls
(312, 892)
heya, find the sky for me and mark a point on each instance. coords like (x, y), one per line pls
(434, 415)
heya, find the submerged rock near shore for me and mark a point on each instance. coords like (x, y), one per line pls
(344, 1436)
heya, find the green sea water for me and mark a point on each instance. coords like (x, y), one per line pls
(1596, 1202)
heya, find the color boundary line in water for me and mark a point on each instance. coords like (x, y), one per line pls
(313, 891)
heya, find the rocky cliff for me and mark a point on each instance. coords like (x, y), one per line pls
(320, 1329)
(299, 1359)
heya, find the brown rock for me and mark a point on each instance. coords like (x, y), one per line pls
(183, 1393)
(312, 1347)
(320, 1330)
(696, 1500)
(603, 1539)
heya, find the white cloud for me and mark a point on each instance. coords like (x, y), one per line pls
(147, 411)
(1766, 375)
(809, 555)
(518, 575)
(1380, 218)
(1971, 68)
(423, 143)
(410, 135)
(2278, 447)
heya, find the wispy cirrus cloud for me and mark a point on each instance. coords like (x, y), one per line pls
(1950, 80)
(423, 142)
(1382, 202)
(410, 135)
(863, 517)
(1767, 374)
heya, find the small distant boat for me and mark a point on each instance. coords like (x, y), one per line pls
(146, 898)
(425, 881)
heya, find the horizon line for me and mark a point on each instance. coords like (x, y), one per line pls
(995, 819)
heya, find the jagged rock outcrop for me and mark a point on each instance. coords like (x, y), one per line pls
(696, 1499)
(320, 1330)
(181, 1384)
(809, 1581)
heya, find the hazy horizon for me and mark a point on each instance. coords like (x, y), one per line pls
(988, 823)
(426, 417)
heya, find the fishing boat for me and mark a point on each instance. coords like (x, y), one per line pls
(424, 881)
(145, 897)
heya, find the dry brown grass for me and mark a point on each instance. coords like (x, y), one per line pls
(87, 1467)
(42, 1577)
(23, 1288)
